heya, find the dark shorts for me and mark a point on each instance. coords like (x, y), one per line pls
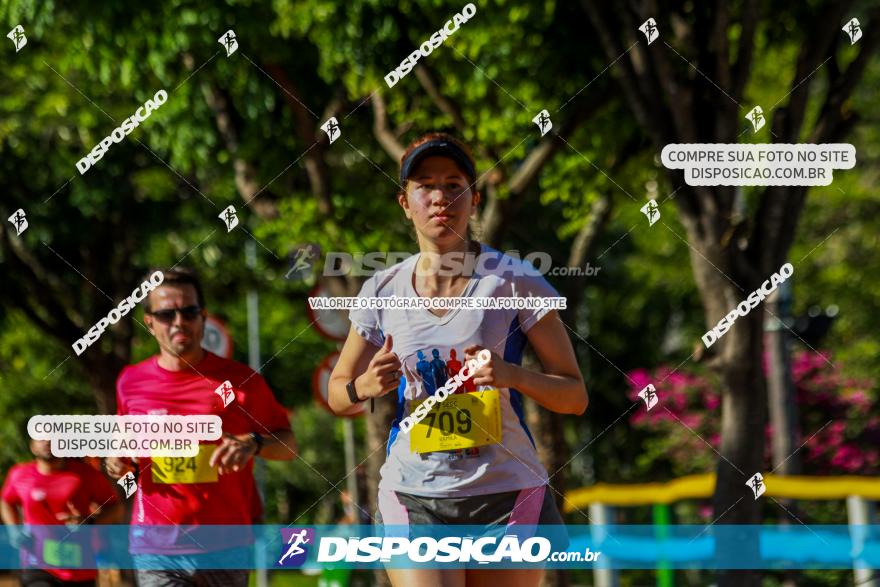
(40, 578)
(159, 570)
(191, 578)
(531, 506)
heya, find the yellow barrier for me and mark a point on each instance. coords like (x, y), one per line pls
(702, 486)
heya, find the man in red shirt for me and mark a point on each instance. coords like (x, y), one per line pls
(51, 491)
(217, 486)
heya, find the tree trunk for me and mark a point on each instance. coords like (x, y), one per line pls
(743, 407)
(378, 425)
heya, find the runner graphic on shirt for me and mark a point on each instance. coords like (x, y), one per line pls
(424, 378)
(423, 367)
(438, 368)
(453, 365)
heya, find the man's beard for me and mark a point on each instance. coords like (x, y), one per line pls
(184, 348)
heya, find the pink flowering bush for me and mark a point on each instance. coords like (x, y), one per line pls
(838, 418)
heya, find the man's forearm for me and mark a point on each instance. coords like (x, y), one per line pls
(9, 514)
(279, 445)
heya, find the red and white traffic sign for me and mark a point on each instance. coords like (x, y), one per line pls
(332, 324)
(216, 338)
(321, 381)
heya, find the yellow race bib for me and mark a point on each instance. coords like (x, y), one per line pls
(463, 420)
(186, 469)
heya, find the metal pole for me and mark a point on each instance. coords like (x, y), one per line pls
(860, 513)
(253, 330)
(662, 517)
(602, 515)
(350, 465)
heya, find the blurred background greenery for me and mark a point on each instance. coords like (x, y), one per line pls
(245, 128)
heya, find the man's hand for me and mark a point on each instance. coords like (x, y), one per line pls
(233, 453)
(117, 467)
(72, 517)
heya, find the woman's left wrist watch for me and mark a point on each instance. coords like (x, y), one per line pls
(258, 438)
(352, 393)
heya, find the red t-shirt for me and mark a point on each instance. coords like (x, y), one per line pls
(43, 496)
(147, 388)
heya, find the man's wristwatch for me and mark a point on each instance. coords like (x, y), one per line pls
(258, 438)
(352, 393)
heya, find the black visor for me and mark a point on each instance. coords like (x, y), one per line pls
(436, 148)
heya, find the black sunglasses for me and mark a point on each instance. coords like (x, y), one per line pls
(167, 316)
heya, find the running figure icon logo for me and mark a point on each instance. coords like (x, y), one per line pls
(649, 394)
(301, 260)
(295, 539)
(543, 121)
(229, 42)
(229, 218)
(19, 221)
(128, 483)
(225, 392)
(649, 28)
(652, 211)
(756, 483)
(756, 117)
(854, 30)
(331, 127)
(19, 39)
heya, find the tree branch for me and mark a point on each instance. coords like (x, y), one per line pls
(305, 125)
(746, 48)
(245, 174)
(387, 139)
(444, 104)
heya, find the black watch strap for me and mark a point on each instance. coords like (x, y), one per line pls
(258, 438)
(352, 393)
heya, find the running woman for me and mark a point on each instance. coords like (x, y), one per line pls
(483, 469)
(216, 487)
(49, 491)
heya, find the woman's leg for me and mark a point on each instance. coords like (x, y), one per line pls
(505, 577)
(428, 577)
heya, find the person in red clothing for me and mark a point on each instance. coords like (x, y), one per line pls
(51, 491)
(217, 486)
